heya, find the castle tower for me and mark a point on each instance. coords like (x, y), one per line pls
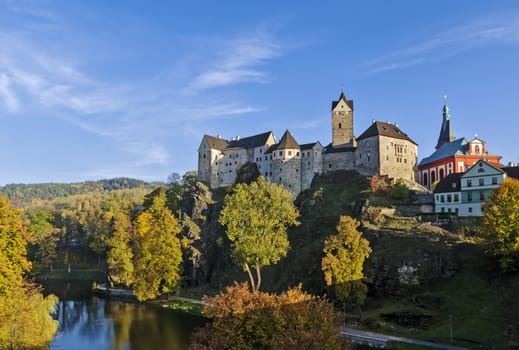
(286, 163)
(342, 122)
(446, 133)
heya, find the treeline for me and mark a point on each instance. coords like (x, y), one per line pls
(21, 195)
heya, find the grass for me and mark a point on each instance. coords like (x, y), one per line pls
(182, 306)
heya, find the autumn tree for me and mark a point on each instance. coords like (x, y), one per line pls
(157, 251)
(257, 216)
(256, 320)
(120, 254)
(500, 228)
(25, 320)
(344, 255)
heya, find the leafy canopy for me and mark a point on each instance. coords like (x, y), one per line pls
(500, 228)
(158, 253)
(257, 216)
(344, 255)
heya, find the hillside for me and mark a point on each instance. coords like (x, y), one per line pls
(22, 194)
(418, 274)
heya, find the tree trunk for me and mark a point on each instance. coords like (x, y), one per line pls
(253, 286)
(258, 276)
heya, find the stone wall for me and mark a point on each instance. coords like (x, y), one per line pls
(287, 171)
(338, 161)
(398, 158)
(232, 160)
(311, 164)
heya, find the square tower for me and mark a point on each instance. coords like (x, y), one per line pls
(342, 122)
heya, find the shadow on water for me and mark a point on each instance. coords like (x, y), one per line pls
(89, 322)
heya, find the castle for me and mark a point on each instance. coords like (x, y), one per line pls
(382, 149)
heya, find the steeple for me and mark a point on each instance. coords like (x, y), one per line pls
(446, 133)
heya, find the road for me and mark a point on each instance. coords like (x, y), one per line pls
(382, 339)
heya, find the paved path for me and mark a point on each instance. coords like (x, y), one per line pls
(382, 339)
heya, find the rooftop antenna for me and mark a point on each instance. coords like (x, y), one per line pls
(342, 88)
(445, 98)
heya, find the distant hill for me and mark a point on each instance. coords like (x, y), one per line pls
(20, 194)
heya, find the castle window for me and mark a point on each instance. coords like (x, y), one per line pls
(340, 125)
(270, 173)
(297, 154)
(266, 157)
(329, 166)
(482, 182)
(261, 150)
(405, 161)
(367, 143)
(230, 171)
(280, 179)
(297, 170)
(235, 162)
(266, 174)
(289, 186)
(281, 153)
(360, 155)
(204, 155)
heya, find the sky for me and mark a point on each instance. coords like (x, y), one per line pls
(99, 89)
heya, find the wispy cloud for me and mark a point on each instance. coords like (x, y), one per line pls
(500, 29)
(238, 62)
(138, 116)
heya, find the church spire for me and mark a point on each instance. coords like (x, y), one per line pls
(446, 133)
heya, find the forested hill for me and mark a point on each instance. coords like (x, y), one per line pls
(20, 194)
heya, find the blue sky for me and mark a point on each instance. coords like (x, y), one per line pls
(99, 89)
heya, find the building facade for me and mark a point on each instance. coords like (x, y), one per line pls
(382, 149)
(452, 155)
(464, 193)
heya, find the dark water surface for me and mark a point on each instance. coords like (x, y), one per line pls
(89, 322)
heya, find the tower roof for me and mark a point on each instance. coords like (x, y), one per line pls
(384, 129)
(287, 142)
(342, 97)
(446, 133)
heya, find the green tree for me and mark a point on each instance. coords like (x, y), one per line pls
(344, 255)
(44, 236)
(120, 254)
(25, 320)
(500, 229)
(257, 217)
(157, 251)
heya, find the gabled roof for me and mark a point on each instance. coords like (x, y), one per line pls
(216, 142)
(287, 142)
(342, 97)
(456, 147)
(251, 141)
(480, 164)
(450, 183)
(308, 146)
(384, 129)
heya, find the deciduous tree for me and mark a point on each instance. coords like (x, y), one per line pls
(344, 255)
(157, 251)
(500, 228)
(255, 320)
(120, 254)
(257, 217)
(24, 313)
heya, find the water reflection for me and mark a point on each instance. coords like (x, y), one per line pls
(94, 323)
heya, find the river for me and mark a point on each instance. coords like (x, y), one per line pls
(90, 322)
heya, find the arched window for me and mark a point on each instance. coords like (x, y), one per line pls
(340, 125)
(425, 179)
(476, 149)
(433, 176)
(441, 174)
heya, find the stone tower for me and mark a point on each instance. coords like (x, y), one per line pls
(342, 122)
(286, 163)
